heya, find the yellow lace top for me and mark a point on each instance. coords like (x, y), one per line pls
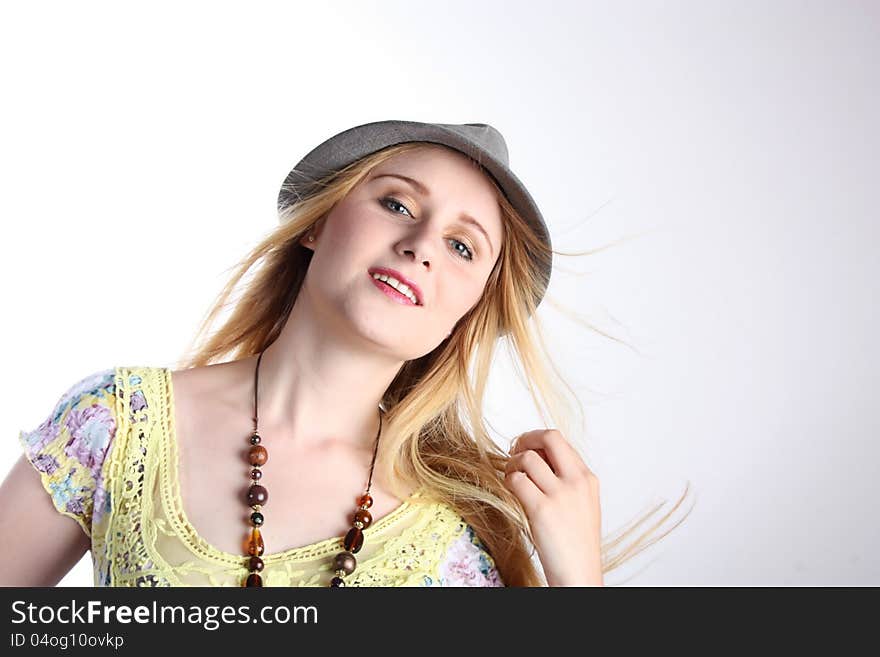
(107, 455)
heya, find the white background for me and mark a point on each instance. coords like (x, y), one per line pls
(732, 146)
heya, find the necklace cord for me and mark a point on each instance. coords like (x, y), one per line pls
(345, 562)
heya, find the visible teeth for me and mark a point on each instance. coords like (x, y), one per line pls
(397, 285)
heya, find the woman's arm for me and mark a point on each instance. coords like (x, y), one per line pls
(38, 544)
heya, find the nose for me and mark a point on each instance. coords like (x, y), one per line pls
(417, 244)
(416, 257)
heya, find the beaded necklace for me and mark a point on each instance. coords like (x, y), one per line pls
(345, 562)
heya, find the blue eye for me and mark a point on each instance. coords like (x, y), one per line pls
(393, 201)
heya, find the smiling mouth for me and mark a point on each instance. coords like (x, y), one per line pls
(391, 292)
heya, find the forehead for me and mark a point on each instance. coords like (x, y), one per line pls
(450, 177)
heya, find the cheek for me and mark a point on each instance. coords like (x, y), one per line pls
(458, 295)
(347, 230)
(347, 239)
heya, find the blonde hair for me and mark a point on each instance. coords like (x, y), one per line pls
(425, 442)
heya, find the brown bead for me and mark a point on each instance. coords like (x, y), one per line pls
(254, 580)
(365, 500)
(363, 516)
(257, 455)
(345, 561)
(354, 539)
(256, 474)
(255, 564)
(257, 494)
(255, 545)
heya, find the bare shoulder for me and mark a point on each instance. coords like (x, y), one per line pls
(221, 383)
(209, 409)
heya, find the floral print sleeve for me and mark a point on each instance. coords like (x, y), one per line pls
(468, 563)
(69, 447)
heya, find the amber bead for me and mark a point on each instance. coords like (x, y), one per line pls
(345, 561)
(364, 517)
(254, 580)
(337, 581)
(255, 564)
(255, 544)
(365, 500)
(255, 439)
(258, 455)
(354, 539)
(257, 494)
(256, 474)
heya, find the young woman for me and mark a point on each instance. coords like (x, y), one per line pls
(347, 381)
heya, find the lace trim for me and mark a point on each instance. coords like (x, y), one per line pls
(413, 557)
(132, 463)
(409, 559)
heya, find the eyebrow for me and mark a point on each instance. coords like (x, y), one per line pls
(422, 189)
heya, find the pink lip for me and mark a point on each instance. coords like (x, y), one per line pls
(391, 292)
(400, 277)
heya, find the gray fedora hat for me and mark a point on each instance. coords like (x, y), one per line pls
(479, 141)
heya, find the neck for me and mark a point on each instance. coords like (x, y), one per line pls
(317, 390)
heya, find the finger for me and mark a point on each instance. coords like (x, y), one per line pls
(524, 488)
(564, 460)
(537, 468)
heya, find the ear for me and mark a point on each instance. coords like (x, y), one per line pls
(314, 232)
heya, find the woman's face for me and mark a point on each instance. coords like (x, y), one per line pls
(388, 223)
